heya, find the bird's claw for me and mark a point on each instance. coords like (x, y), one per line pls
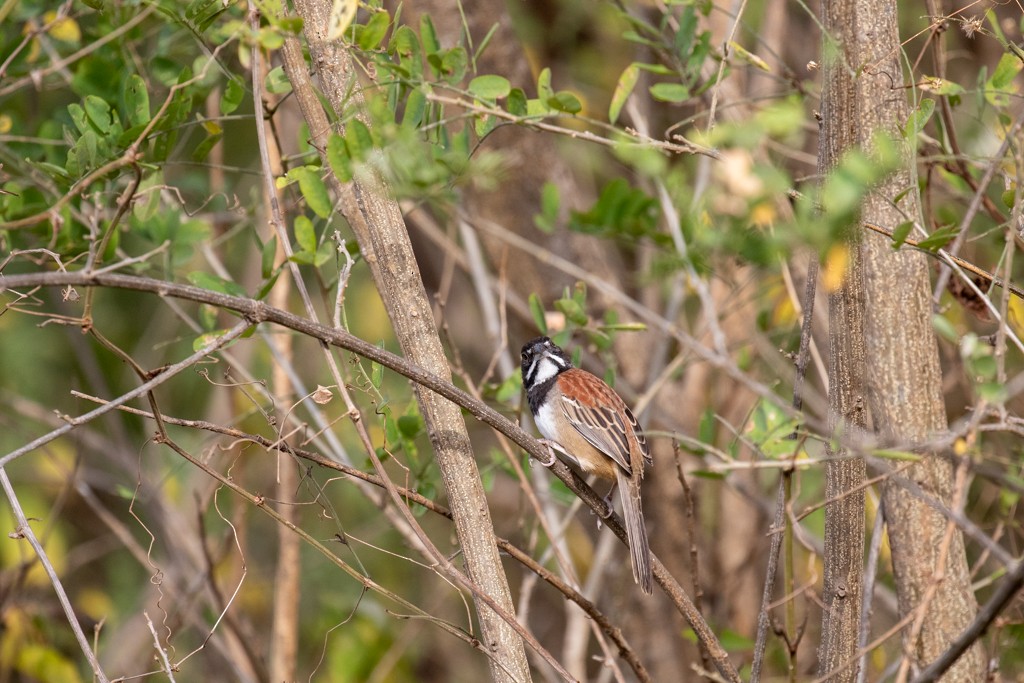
(551, 453)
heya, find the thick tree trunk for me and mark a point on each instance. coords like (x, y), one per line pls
(863, 96)
(377, 222)
(844, 514)
(904, 379)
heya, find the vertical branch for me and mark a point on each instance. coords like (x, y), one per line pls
(380, 229)
(284, 635)
(905, 378)
(25, 531)
(844, 513)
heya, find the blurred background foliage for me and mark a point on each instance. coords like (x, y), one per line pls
(685, 146)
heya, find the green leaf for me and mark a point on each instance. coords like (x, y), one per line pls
(550, 201)
(900, 234)
(893, 454)
(706, 429)
(563, 100)
(405, 44)
(944, 327)
(305, 234)
(428, 34)
(686, 32)
(277, 82)
(939, 238)
(1005, 72)
(670, 92)
(214, 134)
(78, 118)
(539, 316)
(415, 107)
(410, 425)
(993, 392)
(544, 91)
(98, 112)
(208, 317)
(919, 118)
(510, 388)
(267, 254)
(490, 87)
(216, 284)
(572, 311)
(941, 86)
(136, 99)
(324, 253)
(268, 285)
(148, 198)
(517, 103)
(454, 63)
(234, 91)
(484, 125)
(707, 474)
(338, 158)
(623, 89)
(370, 36)
(270, 38)
(205, 340)
(377, 371)
(292, 24)
(358, 140)
(313, 189)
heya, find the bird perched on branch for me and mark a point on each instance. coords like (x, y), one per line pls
(582, 417)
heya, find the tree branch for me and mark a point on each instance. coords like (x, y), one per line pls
(257, 311)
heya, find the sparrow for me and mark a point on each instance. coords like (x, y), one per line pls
(583, 418)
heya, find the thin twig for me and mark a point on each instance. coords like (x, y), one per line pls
(966, 265)
(159, 648)
(257, 311)
(24, 530)
(165, 375)
(779, 520)
(868, 591)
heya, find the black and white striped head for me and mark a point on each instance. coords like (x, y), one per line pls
(542, 361)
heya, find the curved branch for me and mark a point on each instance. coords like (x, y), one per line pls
(412, 496)
(257, 311)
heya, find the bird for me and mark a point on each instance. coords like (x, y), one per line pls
(584, 419)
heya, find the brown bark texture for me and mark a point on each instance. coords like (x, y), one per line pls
(903, 390)
(377, 222)
(844, 514)
(904, 376)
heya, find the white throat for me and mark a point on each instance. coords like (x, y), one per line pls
(544, 367)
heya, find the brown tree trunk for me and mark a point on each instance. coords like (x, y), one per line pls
(844, 514)
(862, 97)
(377, 222)
(905, 379)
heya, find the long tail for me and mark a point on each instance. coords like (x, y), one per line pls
(639, 550)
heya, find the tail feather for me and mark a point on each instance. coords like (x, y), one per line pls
(633, 513)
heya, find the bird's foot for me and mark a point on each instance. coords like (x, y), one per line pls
(610, 508)
(550, 445)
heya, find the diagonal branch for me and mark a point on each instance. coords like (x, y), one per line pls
(257, 311)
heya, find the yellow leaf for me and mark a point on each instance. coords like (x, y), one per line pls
(64, 29)
(211, 127)
(763, 214)
(6, 123)
(749, 57)
(784, 313)
(836, 261)
(342, 14)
